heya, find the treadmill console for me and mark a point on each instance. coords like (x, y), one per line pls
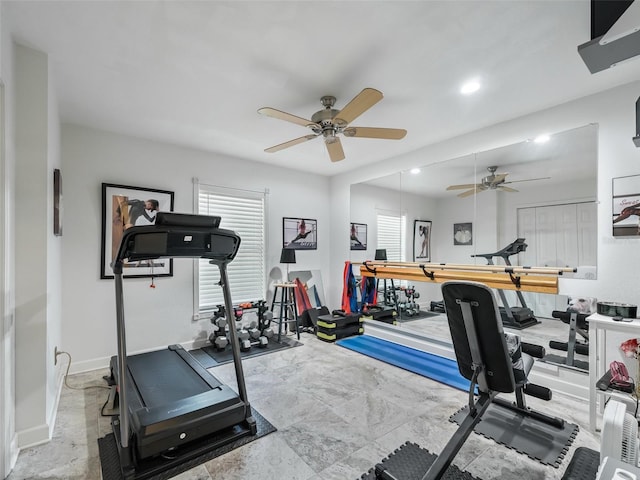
(187, 220)
(179, 235)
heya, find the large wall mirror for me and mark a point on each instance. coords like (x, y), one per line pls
(543, 191)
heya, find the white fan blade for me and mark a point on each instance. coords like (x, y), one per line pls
(473, 191)
(334, 147)
(272, 112)
(372, 132)
(528, 180)
(290, 143)
(507, 189)
(460, 187)
(499, 178)
(362, 102)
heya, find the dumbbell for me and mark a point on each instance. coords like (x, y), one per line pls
(254, 333)
(245, 345)
(221, 342)
(243, 334)
(262, 342)
(221, 322)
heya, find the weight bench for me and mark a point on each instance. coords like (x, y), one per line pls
(493, 364)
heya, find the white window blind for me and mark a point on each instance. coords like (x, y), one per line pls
(244, 213)
(392, 236)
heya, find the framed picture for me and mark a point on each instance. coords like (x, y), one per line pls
(123, 207)
(626, 206)
(57, 202)
(463, 233)
(299, 233)
(358, 235)
(422, 240)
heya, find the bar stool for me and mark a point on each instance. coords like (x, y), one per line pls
(288, 306)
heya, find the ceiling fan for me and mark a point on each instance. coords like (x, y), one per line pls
(493, 181)
(331, 122)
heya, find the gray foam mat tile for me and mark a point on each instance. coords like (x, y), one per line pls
(411, 462)
(540, 441)
(583, 465)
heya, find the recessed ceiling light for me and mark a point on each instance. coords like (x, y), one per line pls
(415, 171)
(541, 138)
(470, 87)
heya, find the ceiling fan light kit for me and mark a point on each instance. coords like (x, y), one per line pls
(329, 123)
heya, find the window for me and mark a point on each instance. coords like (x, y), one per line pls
(243, 212)
(392, 236)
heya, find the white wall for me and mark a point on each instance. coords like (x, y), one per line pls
(37, 276)
(161, 316)
(54, 258)
(8, 441)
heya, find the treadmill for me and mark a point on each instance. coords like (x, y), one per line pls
(513, 317)
(171, 409)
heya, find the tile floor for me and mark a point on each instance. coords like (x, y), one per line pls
(337, 413)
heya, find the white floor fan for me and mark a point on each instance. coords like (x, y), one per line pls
(619, 444)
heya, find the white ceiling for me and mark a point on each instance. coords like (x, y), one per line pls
(570, 156)
(194, 73)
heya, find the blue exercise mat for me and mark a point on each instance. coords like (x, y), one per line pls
(443, 370)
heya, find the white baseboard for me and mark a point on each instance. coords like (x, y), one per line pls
(33, 436)
(103, 362)
(14, 451)
(42, 433)
(53, 414)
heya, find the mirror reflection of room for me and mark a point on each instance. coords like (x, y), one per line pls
(542, 191)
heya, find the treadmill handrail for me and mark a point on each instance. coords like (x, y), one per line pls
(513, 248)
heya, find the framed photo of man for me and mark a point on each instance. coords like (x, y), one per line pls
(124, 207)
(421, 241)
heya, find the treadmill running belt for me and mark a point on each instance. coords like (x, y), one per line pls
(163, 376)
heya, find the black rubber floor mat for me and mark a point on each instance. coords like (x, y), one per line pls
(110, 460)
(538, 440)
(583, 465)
(211, 357)
(411, 462)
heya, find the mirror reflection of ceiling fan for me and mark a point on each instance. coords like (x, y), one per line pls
(329, 123)
(493, 181)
